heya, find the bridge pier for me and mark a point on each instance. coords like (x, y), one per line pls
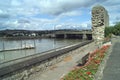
(84, 37)
(65, 36)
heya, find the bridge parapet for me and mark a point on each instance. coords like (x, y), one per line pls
(73, 32)
(85, 35)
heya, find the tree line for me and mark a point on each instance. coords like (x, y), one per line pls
(115, 30)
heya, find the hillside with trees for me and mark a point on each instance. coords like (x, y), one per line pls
(115, 30)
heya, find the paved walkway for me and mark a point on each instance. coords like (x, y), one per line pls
(112, 69)
(62, 68)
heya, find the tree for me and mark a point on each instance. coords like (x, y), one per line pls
(108, 31)
(112, 30)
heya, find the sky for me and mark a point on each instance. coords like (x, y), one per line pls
(53, 14)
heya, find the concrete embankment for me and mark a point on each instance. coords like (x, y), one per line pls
(24, 67)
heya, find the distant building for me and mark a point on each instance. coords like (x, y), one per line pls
(33, 34)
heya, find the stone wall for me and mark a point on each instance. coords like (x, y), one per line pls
(100, 20)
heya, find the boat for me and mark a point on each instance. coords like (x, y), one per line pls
(29, 47)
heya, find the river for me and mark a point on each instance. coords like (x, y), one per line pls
(41, 45)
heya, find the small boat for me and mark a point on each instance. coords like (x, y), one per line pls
(29, 47)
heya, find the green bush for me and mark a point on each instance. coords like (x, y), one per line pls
(112, 30)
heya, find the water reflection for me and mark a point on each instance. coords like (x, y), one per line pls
(41, 45)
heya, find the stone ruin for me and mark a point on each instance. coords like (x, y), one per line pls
(100, 20)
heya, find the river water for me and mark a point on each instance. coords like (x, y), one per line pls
(41, 45)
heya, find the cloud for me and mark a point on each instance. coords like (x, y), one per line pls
(72, 13)
(16, 2)
(51, 7)
(29, 24)
(113, 10)
(4, 14)
(5, 3)
(23, 21)
(57, 7)
(79, 26)
(110, 3)
(33, 14)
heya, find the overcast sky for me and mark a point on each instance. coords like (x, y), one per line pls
(53, 14)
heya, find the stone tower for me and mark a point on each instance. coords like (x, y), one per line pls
(100, 20)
